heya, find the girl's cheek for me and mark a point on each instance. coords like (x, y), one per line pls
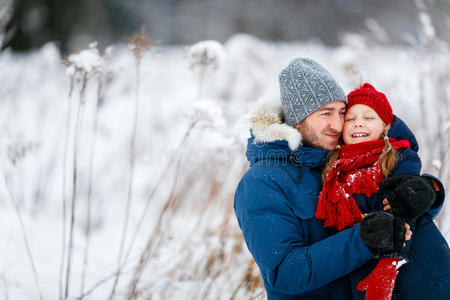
(345, 133)
(346, 127)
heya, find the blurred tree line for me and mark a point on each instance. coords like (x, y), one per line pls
(73, 24)
(35, 22)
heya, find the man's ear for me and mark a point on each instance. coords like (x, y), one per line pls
(297, 126)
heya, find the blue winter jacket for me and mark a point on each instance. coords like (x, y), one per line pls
(427, 273)
(275, 204)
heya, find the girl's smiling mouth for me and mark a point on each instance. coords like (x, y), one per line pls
(359, 134)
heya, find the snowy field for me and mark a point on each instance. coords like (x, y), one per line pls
(165, 213)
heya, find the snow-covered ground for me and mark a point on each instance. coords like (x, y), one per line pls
(189, 155)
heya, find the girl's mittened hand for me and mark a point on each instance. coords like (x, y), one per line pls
(376, 231)
(383, 232)
(411, 196)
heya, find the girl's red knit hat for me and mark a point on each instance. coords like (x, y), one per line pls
(376, 100)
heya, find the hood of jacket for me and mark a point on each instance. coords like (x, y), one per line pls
(401, 131)
(273, 139)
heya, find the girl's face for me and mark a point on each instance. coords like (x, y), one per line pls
(362, 124)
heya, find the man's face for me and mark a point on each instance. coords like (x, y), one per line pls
(322, 128)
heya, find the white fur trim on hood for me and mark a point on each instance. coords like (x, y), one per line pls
(266, 122)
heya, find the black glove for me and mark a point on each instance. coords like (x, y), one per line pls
(382, 232)
(399, 233)
(411, 196)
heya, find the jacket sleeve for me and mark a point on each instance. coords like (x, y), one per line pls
(440, 196)
(410, 164)
(275, 238)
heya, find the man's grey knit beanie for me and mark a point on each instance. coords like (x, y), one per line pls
(305, 87)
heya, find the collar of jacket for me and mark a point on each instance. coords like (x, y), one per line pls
(273, 139)
(401, 131)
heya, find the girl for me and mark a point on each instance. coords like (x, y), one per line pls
(357, 168)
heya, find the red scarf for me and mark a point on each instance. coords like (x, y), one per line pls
(356, 171)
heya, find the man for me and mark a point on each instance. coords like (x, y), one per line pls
(276, 199)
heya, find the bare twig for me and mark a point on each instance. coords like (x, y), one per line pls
(64, 200)
(5, 289)
(100, 283)
(138, 43)
(24, 235)
(89, 197)
(147, 250)
(246, 279)
(74, 191)
(156, 186)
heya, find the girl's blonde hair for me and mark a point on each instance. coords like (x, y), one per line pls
(387, 159)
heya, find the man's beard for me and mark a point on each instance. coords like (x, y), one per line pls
(310, 138)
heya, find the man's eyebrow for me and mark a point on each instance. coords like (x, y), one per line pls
(326, 108)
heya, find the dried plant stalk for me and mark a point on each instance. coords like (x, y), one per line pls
(139, 43)
(25, 238)
(64, 200)
(89, 197)
(78, 123)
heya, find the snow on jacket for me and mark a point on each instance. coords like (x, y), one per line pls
(275, 203)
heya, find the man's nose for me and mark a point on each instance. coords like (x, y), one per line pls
(337, 122)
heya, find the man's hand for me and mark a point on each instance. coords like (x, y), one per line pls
(411, 196)
(382, 232)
